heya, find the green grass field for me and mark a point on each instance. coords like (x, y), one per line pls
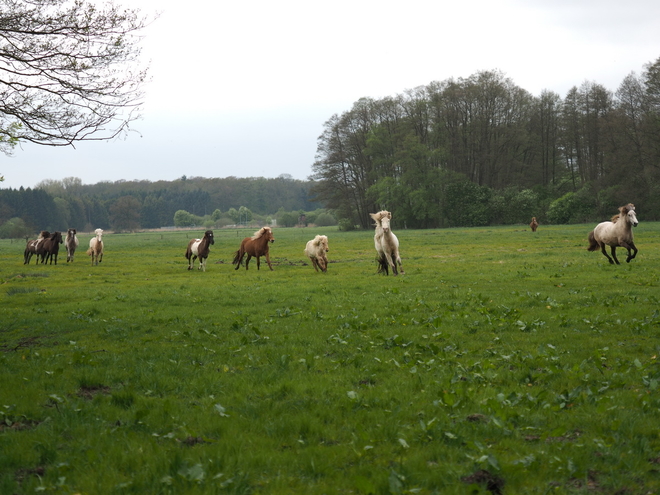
(501, 362)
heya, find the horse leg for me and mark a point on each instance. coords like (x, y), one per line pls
(613, 249)
(247, 261)
(603, 248)
(630, 246)
(315, 264)
(268, 261)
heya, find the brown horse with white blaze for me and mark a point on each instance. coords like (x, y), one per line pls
(255, 246)
(199, 248)
(71, 244)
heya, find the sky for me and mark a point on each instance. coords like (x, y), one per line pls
(244, 88)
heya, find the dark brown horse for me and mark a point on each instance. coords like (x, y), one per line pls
(256, 246)
(35, 247)
(51, 247)
(199, 248)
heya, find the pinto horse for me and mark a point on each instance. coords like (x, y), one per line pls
(256, 246)
(34, 247)
(71, 243)
(96, 247)
(51, 247)
(199, 248)
(616, 234)
(387, 244)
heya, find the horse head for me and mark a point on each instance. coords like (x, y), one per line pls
(71, 232)
(99, 234)
(209, 235)
(631, 216)
(269, 234)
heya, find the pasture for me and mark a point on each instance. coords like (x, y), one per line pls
(503, 361)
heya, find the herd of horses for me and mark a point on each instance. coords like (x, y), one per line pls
(614, 233)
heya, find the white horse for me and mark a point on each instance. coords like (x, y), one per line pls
(387, 244)
(316, 250)
(71, 243)
(615, 234)
(96, 247)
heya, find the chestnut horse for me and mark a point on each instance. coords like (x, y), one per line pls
(256, 246)
(387, 244)
(199, 248)
(616, 233)
(534, 225)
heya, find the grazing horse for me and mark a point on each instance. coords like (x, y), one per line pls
(199, 248)
(534, 225)
(256, 246)
(96, 247)
(51, 247)
(315, 251)
(615, 234)
(387, 244)
(35, 247)
(71, 243)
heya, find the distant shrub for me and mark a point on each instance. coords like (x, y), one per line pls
(325, 220)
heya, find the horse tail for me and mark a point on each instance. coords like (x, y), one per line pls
(237, 257)
(593, 245)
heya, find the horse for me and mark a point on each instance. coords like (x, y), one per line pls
(199, 248)
(534, 225)
(315, 251)
(35, 247)
(51, 247)
(71, 243)
(616, 234)
(256, 246)
(387, 244)
(96, 247)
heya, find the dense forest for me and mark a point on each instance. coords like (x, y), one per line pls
(481, 150)
(122, 205)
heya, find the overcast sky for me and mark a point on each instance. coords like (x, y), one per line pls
(244, 88)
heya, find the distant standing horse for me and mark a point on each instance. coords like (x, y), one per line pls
(387, 244)
(71, 243)
(534, 225)
(199, 248)
(96, 247)
(256, 246)
(34, 247)
(615, 234)
(51, 247)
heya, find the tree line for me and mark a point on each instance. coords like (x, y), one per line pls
(130, 205)
(481, 150)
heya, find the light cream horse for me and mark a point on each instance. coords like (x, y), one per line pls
(616, 233)
(96, 247)
(387, 244)
(315, 251)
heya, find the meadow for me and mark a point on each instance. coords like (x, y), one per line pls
(502, 361)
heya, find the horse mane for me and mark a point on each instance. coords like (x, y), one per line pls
(260, 233)
(623, 211)
(378, 217)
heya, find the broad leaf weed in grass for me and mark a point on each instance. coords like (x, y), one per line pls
(502, 361)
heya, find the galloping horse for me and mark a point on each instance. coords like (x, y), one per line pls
(96, 247)
(615, 234)
(51, 247)
(35, 247)
(71, 243)
(387, 244)
(199, 248)
(256, 246)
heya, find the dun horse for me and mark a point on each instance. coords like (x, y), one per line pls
(34, 247)
(387, 244)
(199, 248)
(71, 243)
(51, 247)
(96, 247)
(534, 225)
(616, 234)
(256, 246)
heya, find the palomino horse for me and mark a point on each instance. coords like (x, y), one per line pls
(256, 246)
(96, 247)
(615, 234)
(387, 244)
(35, 247)
(315, 251)
(199, 248)
(71, 243)
(51, 247)
(534, 225)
